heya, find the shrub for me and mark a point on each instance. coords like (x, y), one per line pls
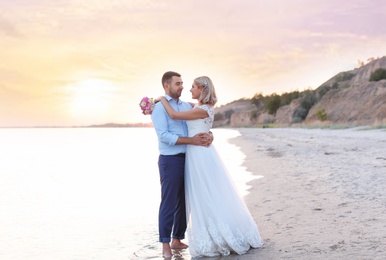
(228, 113)
(258, 100)
(218, 116)
(273, 103)
(287, 97)
(296, 120)
(254, 114)
(335, 85)
(344, 76)
(322, 115)
(308, 100)
(378, 74)
(299, 115)
(322, 91)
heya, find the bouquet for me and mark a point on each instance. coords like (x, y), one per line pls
(147, 105)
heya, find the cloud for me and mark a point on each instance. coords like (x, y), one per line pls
(254, 45)
(8, 28)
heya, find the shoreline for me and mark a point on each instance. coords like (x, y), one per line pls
(321, 195)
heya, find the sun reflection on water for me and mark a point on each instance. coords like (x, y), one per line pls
(89, 193)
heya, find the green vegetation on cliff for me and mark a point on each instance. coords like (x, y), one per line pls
(378, 75)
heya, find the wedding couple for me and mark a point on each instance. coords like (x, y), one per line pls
(197, 194)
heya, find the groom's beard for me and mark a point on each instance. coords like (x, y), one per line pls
(176, 95)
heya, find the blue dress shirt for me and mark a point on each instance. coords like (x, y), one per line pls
(168, 130)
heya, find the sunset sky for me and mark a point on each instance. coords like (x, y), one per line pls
(78, 62)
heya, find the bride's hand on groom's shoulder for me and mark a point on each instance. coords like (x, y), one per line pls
(158, 99)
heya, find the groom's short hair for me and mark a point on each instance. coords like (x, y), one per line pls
(167, 77)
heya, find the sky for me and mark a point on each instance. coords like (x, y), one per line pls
(78, 62)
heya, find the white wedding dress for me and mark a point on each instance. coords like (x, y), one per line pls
(218, 220)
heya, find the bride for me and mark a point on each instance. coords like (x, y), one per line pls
(219, 222)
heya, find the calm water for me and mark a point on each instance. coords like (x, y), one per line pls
(86, 193)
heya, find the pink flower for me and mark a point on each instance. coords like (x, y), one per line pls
(147, 105)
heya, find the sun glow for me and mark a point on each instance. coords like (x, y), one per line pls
(91, 97)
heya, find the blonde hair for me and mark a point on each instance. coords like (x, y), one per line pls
(208, 94)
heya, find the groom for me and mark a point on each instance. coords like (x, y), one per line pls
(172, 140)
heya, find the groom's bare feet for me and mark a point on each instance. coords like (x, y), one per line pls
(177, 244)
(166, 251)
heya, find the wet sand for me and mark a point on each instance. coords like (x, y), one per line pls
(321, 193)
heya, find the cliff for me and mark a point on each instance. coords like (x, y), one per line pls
(355, 100)
(347, 98)
(360, 103)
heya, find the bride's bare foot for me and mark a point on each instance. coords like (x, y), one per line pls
(177, 244)
(166, 251)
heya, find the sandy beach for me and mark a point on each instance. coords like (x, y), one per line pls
(321, 194)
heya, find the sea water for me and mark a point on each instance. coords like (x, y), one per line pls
(87, 193)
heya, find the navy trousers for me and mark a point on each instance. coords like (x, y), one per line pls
(172, 212)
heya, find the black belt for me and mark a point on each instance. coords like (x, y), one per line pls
(178, 155)
(181, 155)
